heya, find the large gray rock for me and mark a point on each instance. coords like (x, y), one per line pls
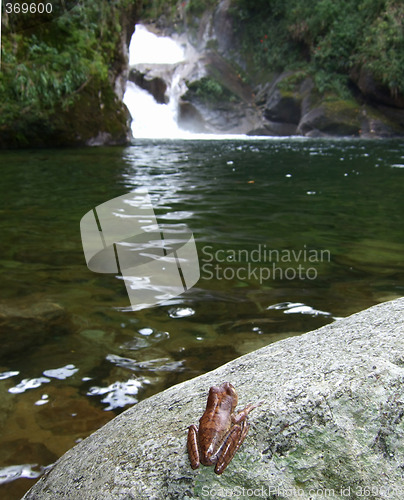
(331, 425)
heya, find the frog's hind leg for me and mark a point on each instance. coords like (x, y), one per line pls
(192, 445)
(231, 444)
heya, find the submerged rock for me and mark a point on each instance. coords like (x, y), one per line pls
(29, 323)
(331, 420)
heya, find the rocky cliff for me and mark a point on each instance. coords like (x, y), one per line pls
(327, 68)
(245, 90)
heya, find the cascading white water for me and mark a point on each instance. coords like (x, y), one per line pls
(173, 62)
(158, 56)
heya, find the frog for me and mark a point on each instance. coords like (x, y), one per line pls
(221, 431)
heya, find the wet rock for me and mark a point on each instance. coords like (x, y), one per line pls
(223, 116)
(227, 75)
(381, 121)
(25, 324)
(375, 91)
(283, 108)
(223, 101)
(101, 139)
(275, 128)
(340, 118)
(223, 27)
(156, 86)
(331, 419)
(395, 115)
(189, 118)
(306, 91)
(282, 101)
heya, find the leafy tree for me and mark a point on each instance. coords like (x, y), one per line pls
(327, 38)
(49, 59)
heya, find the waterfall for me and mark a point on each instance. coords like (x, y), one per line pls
(163, 60)
(159, 69)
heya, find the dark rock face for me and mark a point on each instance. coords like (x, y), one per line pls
(157, 87)
(374, 91)
(189, 118)
(328, 121)
(228, 106)
(275, 128)
(281, 108)
(291, 106)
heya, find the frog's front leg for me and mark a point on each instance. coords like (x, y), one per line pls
(192, 445)
(231, 444)
(243, 414)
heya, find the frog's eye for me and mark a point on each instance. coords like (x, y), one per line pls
(230, 390)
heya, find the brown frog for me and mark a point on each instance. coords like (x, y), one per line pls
(221, 431)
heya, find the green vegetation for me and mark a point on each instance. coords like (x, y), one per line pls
(54, 64)
(153, 9)
(326, 38)
(323, 38)
(48, 60)
(199, 6)
(209, 90)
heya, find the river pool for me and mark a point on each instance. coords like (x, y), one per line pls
(291, 234)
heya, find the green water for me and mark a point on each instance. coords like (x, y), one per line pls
(261, 213)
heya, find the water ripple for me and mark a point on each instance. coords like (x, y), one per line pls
(13, 472)
(118, 394)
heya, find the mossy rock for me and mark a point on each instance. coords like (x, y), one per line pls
(382, 121)
(95, 117)
(209, 91)
(95, 114)
(338, 117)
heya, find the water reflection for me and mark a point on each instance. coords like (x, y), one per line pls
(181, 312)
(13, 472)
(118, 394)
(298, 308)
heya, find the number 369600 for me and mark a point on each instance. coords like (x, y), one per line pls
(28, 8)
